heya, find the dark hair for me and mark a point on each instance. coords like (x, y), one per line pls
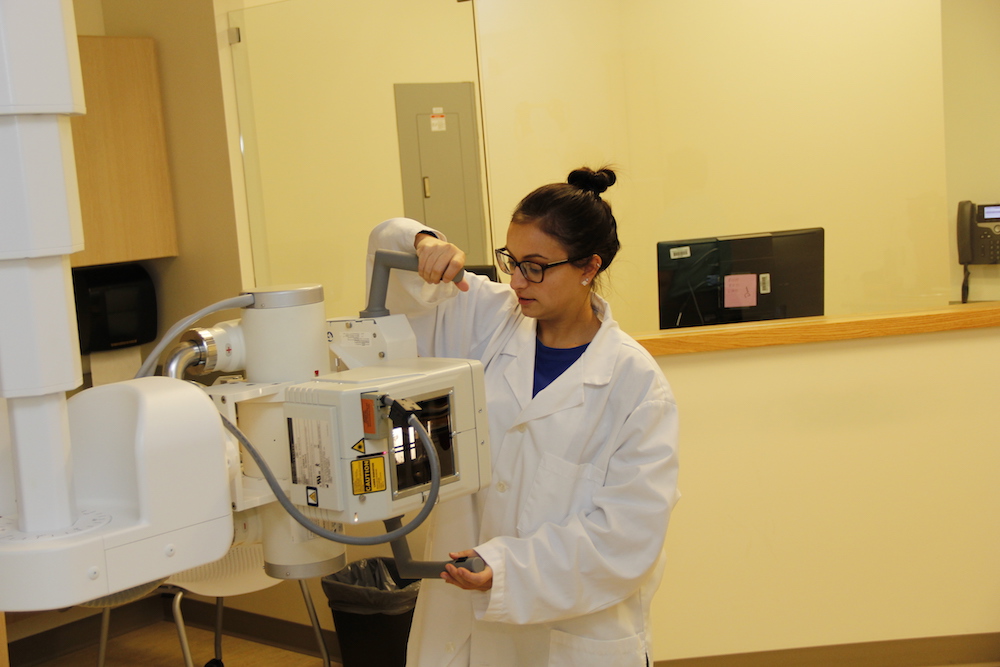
(574, 214)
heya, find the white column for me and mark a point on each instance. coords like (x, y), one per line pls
(40, 225)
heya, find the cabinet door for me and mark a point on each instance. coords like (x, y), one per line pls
(121, 155)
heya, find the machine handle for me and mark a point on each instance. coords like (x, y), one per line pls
(475, 564)
(423, 569)
(385, 260)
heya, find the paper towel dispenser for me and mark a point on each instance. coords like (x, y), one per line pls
(115, 306)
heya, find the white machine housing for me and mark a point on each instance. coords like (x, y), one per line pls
(370, 341)
(349, 458)
(151, 494)
(325, 440)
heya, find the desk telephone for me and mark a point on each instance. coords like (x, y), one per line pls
(978, 233)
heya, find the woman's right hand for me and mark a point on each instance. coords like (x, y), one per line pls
(439, 260)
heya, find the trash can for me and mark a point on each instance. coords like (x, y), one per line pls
(372, 610)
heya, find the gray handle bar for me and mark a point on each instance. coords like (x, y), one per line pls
(385, 260)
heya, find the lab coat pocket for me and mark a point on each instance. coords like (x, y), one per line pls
(560, 489)
(566, 650)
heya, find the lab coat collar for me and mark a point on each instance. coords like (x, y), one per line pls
(594, 368)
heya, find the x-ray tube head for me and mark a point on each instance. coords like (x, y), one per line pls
(350, 457)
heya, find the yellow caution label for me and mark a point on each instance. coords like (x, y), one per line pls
(368, 475)
(360, 447)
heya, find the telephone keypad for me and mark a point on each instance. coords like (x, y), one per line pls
(988, 241)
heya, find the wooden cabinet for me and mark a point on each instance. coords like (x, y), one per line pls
(121, 155)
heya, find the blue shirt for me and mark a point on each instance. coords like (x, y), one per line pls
(551, 362)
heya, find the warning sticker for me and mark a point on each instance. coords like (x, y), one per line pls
(360, 447)
(368, 415)
(368, 475)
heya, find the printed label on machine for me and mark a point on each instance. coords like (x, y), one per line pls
(368, 475)
(355, 339)
(311, 442)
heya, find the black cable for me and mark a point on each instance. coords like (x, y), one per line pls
(965, 283)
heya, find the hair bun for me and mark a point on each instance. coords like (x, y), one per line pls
(592, 181)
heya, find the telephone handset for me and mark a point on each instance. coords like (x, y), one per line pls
(978, 233)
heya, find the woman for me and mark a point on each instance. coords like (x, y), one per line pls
(583, 439)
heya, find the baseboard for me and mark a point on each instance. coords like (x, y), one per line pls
(86, 632)
(923, 652)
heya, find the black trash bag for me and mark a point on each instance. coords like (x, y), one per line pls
(371, 586)
(372, 611)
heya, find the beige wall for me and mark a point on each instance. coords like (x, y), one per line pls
(833, 493)
(971, 65)
(321, 146)
(826, 498)
(208, 267)
(731, 116)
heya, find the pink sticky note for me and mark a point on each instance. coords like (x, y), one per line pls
(741, 291)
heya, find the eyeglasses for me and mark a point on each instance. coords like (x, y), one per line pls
(533, 272)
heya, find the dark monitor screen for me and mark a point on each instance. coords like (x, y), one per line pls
(742, 278)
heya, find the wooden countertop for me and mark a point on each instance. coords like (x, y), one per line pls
(794, 331)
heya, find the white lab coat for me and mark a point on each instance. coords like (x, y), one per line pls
(584, 480)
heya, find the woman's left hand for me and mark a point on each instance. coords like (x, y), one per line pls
(467, 579)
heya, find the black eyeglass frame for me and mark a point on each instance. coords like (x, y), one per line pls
(502, 253)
